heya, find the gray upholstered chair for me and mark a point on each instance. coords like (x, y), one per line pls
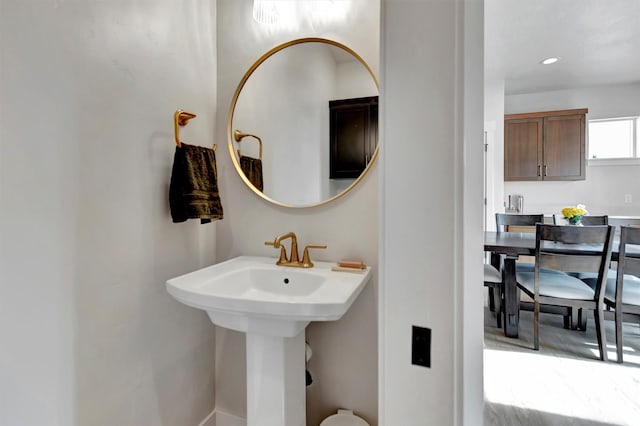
(589, 278)
(565, 290)
(623, 286)
(494, 281)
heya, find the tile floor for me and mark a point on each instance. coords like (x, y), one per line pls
(564, 383)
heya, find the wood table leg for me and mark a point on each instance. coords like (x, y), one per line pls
(495, 262)
(511, 300)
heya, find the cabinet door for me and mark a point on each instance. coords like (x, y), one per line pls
(354, 134)
(523, 149)
(564, 146)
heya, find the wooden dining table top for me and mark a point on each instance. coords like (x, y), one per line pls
(524, 243)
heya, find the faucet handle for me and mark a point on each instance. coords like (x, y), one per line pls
(306, 260)
(283, 253)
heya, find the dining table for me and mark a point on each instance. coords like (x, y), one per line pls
(507, 247)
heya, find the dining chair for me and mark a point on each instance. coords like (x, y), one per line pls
(527, 222)
(589, 278)
(623, 288)
(505, 220)
(564, 290)
(558, 219)
(518, 223)
(494, 281)
(625, 297)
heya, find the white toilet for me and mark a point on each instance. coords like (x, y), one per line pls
(344, 418)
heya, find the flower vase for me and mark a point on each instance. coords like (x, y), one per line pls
(575, 221)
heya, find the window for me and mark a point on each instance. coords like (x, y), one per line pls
(614, 138)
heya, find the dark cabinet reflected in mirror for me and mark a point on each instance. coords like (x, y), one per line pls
(353, 136)
(313, 105)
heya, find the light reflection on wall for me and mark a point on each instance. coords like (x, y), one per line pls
(289, 14)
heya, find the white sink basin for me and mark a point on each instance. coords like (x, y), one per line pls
(272, 305)
(252, 294)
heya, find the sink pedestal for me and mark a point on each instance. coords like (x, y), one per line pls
(276, 394)
(272, 305)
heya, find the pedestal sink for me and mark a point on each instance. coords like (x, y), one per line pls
(272, 305)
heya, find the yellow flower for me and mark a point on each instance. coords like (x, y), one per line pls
(570, 212)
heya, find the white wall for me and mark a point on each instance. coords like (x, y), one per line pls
(605, 186)
(603, 101)
(431, 221)
(494, 128)
(354, 82)
(89, 335)
(344, 363)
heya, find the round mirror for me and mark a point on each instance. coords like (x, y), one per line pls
(303, 122)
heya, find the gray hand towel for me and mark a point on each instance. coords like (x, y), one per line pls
(193, 192)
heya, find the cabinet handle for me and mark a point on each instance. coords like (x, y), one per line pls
(539, 170)
(545, 170)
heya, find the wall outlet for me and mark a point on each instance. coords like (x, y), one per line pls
(628, 198)
(421, 346)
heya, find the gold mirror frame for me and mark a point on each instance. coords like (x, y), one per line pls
(230, 132)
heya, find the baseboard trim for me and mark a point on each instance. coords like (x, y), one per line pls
(224, 419)
(210, 420)
(219, 418)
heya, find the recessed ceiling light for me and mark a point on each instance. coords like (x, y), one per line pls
(549, 61)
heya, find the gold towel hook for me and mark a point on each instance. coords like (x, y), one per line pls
(238, 136)
(181, 118)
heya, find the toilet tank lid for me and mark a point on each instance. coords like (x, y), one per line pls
(344, 418)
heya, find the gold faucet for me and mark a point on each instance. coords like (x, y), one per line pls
(294, 259)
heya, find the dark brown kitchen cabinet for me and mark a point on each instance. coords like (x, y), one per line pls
(546, 145)
(353, 135)
(522, 149)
